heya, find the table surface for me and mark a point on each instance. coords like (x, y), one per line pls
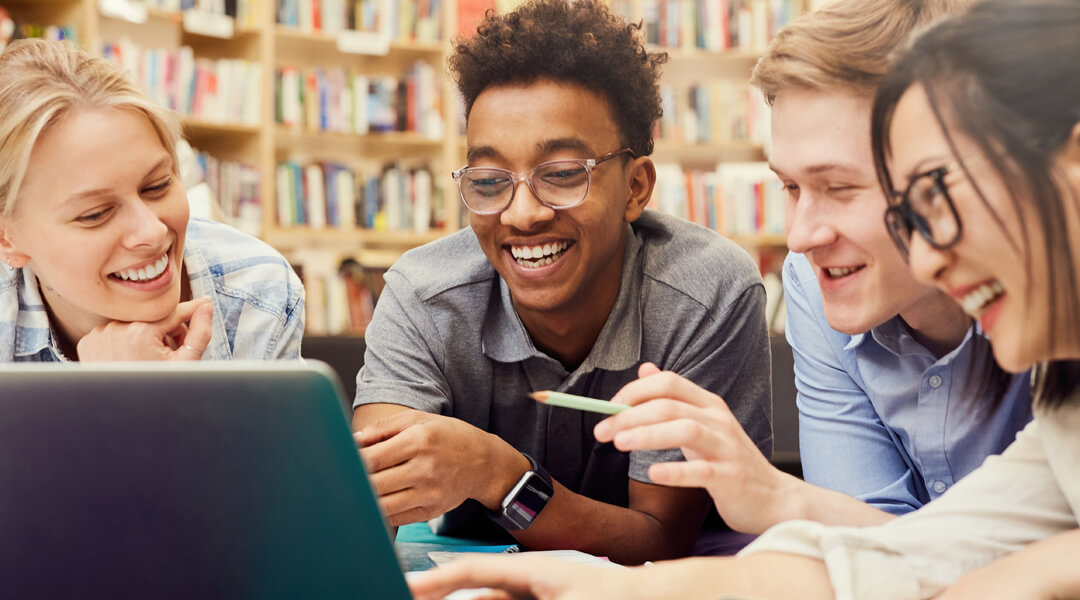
(416, 540)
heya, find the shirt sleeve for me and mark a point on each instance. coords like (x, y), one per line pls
(1012, 501)
(844, 445)
(731, 359)
(400, 362)
(286, 341)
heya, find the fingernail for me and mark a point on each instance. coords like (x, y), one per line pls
(617, 399)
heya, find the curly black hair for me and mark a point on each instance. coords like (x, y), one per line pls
(580, 42)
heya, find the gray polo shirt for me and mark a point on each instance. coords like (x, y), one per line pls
(446, 339)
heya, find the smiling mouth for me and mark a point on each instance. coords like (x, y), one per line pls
(144, 274)
(534, 257)
(838, 272)
(978, 300)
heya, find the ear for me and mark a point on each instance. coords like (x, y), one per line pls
(8, 252)
(642, 181)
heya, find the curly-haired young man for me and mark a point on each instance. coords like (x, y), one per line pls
(563, 282)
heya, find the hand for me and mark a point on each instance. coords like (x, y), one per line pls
(524, 576)
(673, 412)
(183, 335)
(423, 465)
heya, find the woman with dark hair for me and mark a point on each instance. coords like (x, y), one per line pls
(976, 132)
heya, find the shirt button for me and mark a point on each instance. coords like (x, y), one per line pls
(935, 382)
(940, 487)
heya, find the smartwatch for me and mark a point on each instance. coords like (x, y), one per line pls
(526, 499)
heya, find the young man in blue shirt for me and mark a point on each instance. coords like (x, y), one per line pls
(892, 376)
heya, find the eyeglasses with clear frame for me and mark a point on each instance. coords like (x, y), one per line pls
(924, 206)
(557, 184)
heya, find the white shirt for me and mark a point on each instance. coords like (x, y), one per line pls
(1028, 493)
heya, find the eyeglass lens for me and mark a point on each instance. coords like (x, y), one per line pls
(558, 183)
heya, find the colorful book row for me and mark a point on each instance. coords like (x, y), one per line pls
(712, 25)
(320, 195)
(418, 21)
(220, 91)
(342, 300)
(236, 187)
(347, 101)
(244, 13)
(733, 199)
(12, 29)
(719, 112)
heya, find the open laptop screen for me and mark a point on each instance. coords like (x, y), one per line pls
(232, 480)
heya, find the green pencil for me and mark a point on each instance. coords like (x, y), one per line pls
(578, 402)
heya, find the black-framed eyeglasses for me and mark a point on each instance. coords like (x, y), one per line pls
(924, 206)
(557, 184)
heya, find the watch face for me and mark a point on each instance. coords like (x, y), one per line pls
(532, 496)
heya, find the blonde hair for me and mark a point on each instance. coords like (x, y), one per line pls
(846, 45)
(41, 82)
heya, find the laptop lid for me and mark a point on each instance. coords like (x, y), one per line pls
(200, 480)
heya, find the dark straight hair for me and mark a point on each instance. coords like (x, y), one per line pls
(1007, 74)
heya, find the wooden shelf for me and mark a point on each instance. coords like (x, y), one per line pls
(200, 127)
(389, 145)
(706, 154)
(348, 240)
(287, 33)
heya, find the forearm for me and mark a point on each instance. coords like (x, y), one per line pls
(625, 535)
(765, 576)
(805, 501)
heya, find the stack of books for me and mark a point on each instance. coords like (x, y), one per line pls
(417, 21)
(736, 199)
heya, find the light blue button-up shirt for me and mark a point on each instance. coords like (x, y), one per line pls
(258, 300)
(882, 419)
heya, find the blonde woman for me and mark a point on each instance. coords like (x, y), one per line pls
(101, 259)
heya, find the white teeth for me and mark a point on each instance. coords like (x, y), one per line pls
(841, 271)
(146, 273)
(538, 256)
(976, 300)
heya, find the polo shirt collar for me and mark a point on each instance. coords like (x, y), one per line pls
(617, 347)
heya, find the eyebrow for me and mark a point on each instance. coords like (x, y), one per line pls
(921, 167)
(164, 162)
(545, 147)
(819, 169)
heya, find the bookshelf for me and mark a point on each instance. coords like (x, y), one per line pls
(282, 136)
(222, 73)
(253, 45)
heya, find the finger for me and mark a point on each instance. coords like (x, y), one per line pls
(400, 477)
(647, 369)
(687, 434)
(688, 474)
(389, 453)
(412, 515)
(388, 427)
(666, 385)
(181, 314)
(196, 336)
(655, 411)
(512, 574)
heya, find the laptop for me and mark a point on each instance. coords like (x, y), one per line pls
(201, 480)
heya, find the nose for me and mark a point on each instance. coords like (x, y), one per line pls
(927, 263)
(143, 226)
(808, 226)
(525, 210)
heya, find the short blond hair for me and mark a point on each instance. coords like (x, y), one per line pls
(846, 45)
(41, 82)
